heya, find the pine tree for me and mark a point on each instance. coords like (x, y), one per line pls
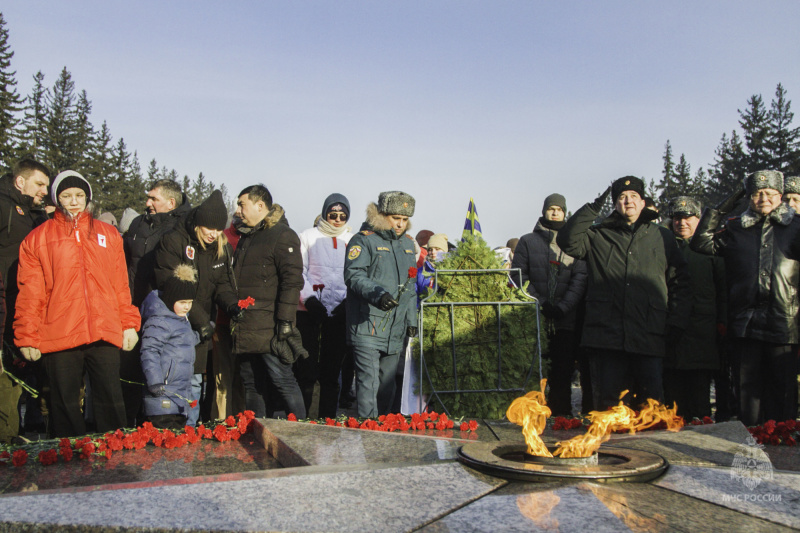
(728, 170)
(783, 141)
(60, 125)
(667, 187)
(84, 131)
(100, 168)
(199, 190)
(754, 123)
(683, 177)
(34, 119)
(152, 172)
(10, 102)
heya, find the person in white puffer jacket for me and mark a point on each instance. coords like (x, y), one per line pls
(321, 314)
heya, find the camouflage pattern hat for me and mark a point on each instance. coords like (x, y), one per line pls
(764, 179)
(396, 203)
(791, 184)
(684, 206)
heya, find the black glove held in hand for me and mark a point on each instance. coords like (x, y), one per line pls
(727, 205)
(386, 302)
(235, 312)
(600, 201)
(157, 390)
(339, 309)
(205, 332)
(315, 307)
(551, 311)
(283, 329)
(411, 331)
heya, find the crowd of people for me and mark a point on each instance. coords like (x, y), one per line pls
(185, 314)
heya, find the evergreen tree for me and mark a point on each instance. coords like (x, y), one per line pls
(683, 177)
(152, 172)
(60, 125)
(100, 168)
(728, 170)
(199, 190)
(667, 187)
(10, 103)
(84, 131)
(754, 123)
(186, 186)
(33, 121)
(783, 141)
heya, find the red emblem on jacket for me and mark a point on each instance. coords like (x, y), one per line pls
(190, 252)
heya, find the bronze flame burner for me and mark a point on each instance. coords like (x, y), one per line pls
(610, 464)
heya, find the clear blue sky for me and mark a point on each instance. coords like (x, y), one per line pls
(504, 101)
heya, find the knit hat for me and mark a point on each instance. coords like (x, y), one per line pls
(66, 180)
(108, 217)
(331, 203)
(396, 203)
(627, 183)
(182, 285)
(423, 236)
(212, 213)
(791, 184)
(764, 179)
(554, 199)
(684, 206)
(438, 240)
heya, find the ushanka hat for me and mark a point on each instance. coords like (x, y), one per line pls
(66, 180)
(627, 183)
(764, 179)
(684, 206)
(791, 184)
(396, 203)
(212, 213)
(182, 285)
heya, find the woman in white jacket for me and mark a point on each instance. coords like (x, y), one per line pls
(321, 315)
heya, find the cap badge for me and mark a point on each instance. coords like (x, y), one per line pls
(627, 182)
(405, 204)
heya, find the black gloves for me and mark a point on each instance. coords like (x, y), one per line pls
(290, 349)
(283, 329)
(551, 311)
(339, 309)
(315, 307)
(727, 205)
(411, 331)
(157, 389)
(600, 201)
(205, 332)
(387, 303)
(235, 312)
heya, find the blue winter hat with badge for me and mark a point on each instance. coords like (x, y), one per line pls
(334, 200)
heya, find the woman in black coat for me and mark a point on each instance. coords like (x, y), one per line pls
(198, 241)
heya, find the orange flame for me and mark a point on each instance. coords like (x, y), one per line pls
(531, 412)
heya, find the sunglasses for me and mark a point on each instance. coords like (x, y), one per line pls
(337, 216)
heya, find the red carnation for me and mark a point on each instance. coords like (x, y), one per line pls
(292, 417)
(412, 272)
(19, 458)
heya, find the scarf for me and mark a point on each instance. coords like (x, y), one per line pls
(552, 224)
(327, 229)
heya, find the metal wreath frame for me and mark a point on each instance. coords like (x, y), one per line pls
(499, 305)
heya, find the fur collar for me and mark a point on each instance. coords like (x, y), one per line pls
(376, 221)
(783, 215)
(274, 217)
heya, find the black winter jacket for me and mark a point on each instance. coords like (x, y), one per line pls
(269, 268)
(17, 218)
(539, 258)
(638, 281)
(141, 241)
(761, 268)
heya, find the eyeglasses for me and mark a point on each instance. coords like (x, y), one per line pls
(764, 194)
(337, 216)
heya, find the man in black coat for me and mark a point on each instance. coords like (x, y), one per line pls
(268, 268)
(761, 250)
(166, 206)
(558, 281)
(637, 296)
(21, 195)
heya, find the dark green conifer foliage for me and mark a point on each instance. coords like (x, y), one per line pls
(60, 146)
(33, 120)
(753, 121)
(783, 141)
(667, 187)
(476, 336)
(99, 169)
(10, 102)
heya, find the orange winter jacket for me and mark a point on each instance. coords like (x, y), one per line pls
(73, 286)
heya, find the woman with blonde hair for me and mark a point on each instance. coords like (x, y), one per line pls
(199, 241)
(74, 308)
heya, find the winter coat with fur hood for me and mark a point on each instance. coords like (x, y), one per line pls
(268, 267)
(761, 269)
(378, 261)
(167, 353)
(73, 285)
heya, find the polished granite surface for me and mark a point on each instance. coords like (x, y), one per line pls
(338, 479)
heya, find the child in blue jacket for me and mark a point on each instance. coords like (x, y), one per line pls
(167, 351)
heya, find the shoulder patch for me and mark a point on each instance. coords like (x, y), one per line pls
(190, 252)
(366, 232)
(409, 236)
(354, 252)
